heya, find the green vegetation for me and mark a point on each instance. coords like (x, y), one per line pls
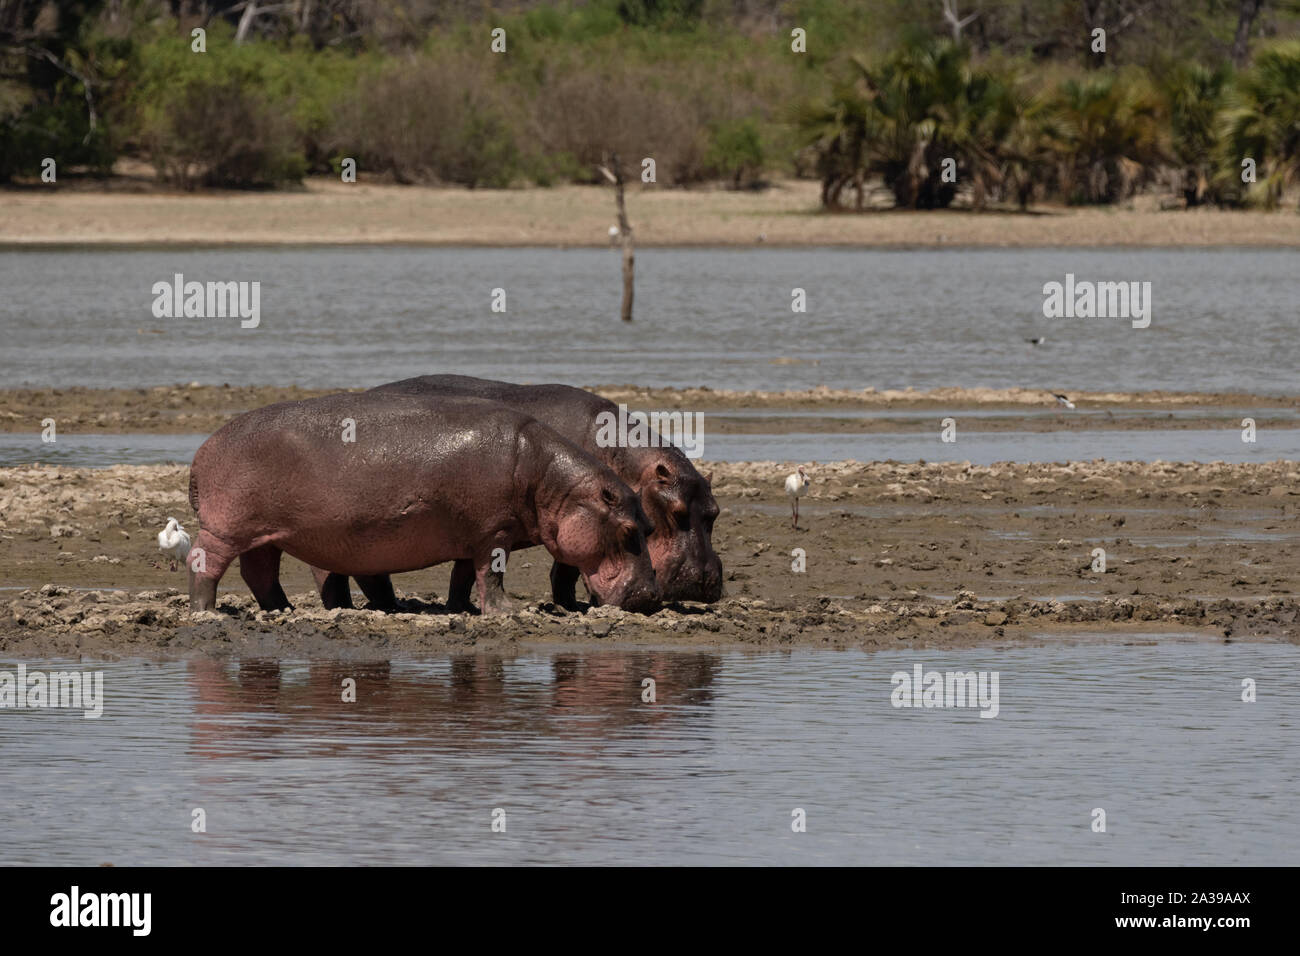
(1012, 106)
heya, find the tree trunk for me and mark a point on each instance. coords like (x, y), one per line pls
(625, 234)
(1247, 12)
(245, 22)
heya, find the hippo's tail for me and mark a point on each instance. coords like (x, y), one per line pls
(194, 492)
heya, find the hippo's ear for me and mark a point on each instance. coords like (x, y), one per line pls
(608, 496)
(663, 474)
(708, 479)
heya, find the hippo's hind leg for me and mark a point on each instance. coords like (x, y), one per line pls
(491, 584)
(260, 569)
(378, 589)
(564, 582)
(461, 585)
(207, 562)
(333, 588)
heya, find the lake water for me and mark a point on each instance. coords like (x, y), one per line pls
(980, 448)
(1155, 734)
(1223, 319)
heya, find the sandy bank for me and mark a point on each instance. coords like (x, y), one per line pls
(328, 212)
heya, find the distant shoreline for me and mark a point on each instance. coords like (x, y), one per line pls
(327, 213)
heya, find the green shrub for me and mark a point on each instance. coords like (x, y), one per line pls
(220, 118)
(736, 151)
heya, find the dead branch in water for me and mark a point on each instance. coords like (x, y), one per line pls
(624, 231)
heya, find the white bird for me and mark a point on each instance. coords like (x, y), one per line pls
(1063, 401)
(174, 541)
(796, 486)
(613, 233)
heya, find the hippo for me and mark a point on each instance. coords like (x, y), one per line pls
(676, 498)
(426, 479)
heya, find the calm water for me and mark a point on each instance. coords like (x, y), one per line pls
(1154, 734)
(980, 448)
(1223, 319)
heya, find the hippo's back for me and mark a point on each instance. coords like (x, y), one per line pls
(358, 459)
(569, 411)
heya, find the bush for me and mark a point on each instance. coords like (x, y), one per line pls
(217, 120)
(433, 121)
(736, 151)
(223, 134)
(60, 130)
(689, 119)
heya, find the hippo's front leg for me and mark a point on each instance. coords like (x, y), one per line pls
(564, 582)
(203, 592)
(207, 562)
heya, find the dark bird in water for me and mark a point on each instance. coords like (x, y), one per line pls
(1037, 340)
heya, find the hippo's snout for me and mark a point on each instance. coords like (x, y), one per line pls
(690, 582)
(635, 590)
(644, 599)
(641, 596)
(711, 585)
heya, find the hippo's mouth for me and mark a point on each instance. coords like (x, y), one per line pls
(622, 587)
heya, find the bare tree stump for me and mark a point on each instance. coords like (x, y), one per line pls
(624, 231)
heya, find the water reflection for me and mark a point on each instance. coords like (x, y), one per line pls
(250, 708)
(561, 742)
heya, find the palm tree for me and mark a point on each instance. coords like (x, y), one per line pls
(1262, 122)
(1030, 144)
(1195, 95)
(837, 131)
(900, 120)
(1112, 135)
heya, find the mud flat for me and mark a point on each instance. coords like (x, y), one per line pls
(198, 408)
(926, 555)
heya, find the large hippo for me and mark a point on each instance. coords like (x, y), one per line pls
(426, 479)
(676, 498)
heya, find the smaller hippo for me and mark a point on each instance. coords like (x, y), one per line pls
(427, 479)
